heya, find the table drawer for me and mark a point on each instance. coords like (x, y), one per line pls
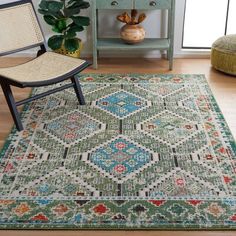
(114, 4)
(152, 4)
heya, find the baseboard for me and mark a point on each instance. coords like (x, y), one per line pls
(152, 54)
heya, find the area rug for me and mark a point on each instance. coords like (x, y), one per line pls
(145, 152)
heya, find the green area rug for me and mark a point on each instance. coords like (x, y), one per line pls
(146, 152)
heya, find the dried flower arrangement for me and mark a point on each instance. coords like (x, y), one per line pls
(131, 20)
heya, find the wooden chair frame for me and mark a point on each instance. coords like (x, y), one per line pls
(6, 83)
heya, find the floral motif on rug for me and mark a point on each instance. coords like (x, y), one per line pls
(145, 152)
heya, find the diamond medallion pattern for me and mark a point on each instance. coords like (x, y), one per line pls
(145, 152)
(120, 157)
(121, 104)
(169, 127)
(74, 127)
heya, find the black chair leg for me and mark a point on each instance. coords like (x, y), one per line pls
(12, 105)
(78, 90)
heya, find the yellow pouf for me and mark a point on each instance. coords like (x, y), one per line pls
(223, 54)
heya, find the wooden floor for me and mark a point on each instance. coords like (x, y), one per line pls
(223, 87)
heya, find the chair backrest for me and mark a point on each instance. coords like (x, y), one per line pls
(19, 27)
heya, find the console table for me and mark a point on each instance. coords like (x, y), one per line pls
(100, 44)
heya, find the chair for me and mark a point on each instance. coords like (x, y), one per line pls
(20, 30)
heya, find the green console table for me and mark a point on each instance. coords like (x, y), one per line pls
(100, 44)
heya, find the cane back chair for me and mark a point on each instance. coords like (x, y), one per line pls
(20, 30)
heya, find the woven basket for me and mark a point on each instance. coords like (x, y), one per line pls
(75, 54)
(223, 61)
(223, 54)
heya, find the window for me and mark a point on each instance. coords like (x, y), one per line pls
(231, 26)
(207, 20)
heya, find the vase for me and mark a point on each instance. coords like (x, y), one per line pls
(132, 34)
(75, 54)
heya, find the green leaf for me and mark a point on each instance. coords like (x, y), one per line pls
(81, 20)
(72, 1)
(57, 15)
(70, 34)
(50, 19)
(55, 42)
(70, 12)
(75, 8)
(75, 28)
(55, 29)
(43, 5)
(80, 5)
(71, 44)
(61, 24)
(43, 12)
(55, 6)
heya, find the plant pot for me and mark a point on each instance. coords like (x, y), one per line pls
(132, 34)
(75, 54)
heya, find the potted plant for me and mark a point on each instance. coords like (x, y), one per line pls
(132, 32)
(63, 16)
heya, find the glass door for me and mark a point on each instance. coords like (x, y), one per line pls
(207, 20)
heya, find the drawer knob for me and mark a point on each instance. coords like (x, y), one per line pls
(153, 3)
(114, 3)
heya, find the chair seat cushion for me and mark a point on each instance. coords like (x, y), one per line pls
(223, 54)
(46, 67)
